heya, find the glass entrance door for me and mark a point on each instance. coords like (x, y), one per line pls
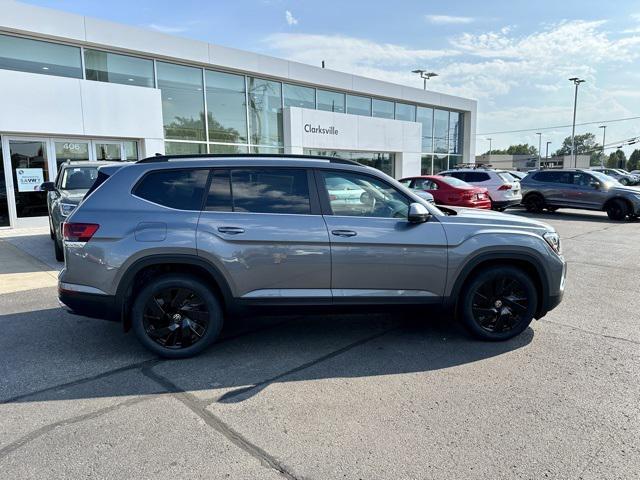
(29, 169)
(4, 201)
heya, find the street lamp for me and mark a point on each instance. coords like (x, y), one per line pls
(576, 81)
(539, 148)
(604, 135)
(425, 75)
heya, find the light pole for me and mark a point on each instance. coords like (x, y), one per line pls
(489, 148)
(547, 154)
(539, 148)
(576, 81)
(425, 75)
(604, 136)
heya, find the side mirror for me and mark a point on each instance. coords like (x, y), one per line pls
(48, 187)
(418, 213)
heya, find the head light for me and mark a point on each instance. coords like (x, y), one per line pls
(553, 239)
(66, 209)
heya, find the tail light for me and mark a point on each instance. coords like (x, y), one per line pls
(506, 186)
(79, 232)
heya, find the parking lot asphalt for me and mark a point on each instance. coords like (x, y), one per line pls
(362, 396)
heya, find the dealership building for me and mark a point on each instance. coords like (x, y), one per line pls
(79, 88)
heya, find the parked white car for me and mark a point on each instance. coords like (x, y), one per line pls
(503, 188)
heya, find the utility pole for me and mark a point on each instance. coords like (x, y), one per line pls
(547, 154)
(489, 148)
(576, 81)
(604, 136)
(539, 149)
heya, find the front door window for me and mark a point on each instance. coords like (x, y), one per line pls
(29, 170)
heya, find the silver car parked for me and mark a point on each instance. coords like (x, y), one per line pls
(172, 245)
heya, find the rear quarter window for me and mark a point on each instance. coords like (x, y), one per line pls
(179, 189)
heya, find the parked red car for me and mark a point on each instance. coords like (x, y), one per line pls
(450, 191)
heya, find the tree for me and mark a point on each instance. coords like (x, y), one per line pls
(585, 145)
(519, 149)
(617, 159)
(634, 160)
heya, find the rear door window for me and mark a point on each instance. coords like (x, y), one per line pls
(475, 177)
(179, 189)
(260, 190)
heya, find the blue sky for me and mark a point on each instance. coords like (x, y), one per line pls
(514, 57)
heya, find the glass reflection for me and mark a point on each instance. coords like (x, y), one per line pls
(299, 96)
(115, 68)
(424, 115)
(405, 112)
(382, 108)
(226, 107)
(441, 131)
(330, 101)
(270, 191)
(265, 111)
(35, 56)
(357, 105)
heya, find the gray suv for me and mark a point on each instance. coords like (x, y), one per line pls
(577, 188)
(172, 245)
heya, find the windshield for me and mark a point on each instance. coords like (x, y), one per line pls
(78, 178)
(456, 182)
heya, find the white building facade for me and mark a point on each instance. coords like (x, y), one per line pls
(79, 88)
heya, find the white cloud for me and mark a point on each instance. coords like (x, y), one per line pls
(291, 20)
(448, 19)
(166, 28)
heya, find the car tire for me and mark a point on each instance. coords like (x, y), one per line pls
(534, 203)
(161, 311)
(58, 250)
(617, 209)
(498, 303)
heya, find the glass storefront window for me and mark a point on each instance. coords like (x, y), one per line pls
(405, 112)
(115, 68)
(424, 115)
(357, 105)
(184, 148)
(226, 107)
(455, 132)
(383, 161)
(182, 101)
(454, 160)
(298, 96)
(108, 151)
(441, 131)
(216, 148)
(439, 163)
(330, 101)
(265, 111)
(35, 56)
(267, 150)
(71, 150)
(382, 108)
(131, 150)
(426, 165)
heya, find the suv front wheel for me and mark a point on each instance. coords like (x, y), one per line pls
(176, 316)
(498, 303)
(534, 203)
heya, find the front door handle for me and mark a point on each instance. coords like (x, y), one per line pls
(344, 233)
(231, 230)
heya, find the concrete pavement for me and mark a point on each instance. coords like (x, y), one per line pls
(320, 397)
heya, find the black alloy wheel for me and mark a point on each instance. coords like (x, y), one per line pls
(617, 209)
(534, 203)
(176, 316)
(499, 303)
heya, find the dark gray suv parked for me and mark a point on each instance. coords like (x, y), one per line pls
(172, 245)
(576, 188)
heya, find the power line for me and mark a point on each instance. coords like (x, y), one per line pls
(560, 126)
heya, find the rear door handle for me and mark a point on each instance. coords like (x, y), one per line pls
(231, 230)
(344, 233)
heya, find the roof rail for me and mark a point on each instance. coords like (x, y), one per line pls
(157, 158)
(472, 165)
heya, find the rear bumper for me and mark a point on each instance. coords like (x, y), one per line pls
(89, 304)
(506, 203)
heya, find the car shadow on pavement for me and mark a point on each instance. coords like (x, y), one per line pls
(253, 353)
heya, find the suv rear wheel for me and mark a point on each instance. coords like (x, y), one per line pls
(617, 209)
(176, 316)
(534, 202)
(498, 303)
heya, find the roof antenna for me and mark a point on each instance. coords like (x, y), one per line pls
(322, 63)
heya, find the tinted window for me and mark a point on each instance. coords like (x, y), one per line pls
(180, 189)
(219, 197)
(548, 177)
(26, 55)
(382, 108)
(358, 105)
(364, 196)
(330, 101)
(115, 68)
(298, 96)
(226, 107)
(265, 111)
(275, 190)
(475, 177)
